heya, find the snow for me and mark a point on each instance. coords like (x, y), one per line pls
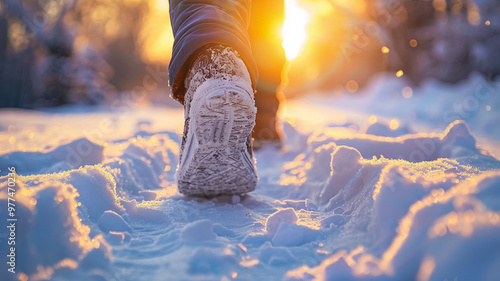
(201, 230)
(378, 185)
(112, 222)
(275, 220)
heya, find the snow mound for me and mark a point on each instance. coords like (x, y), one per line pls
(439, 231)
(274, 221)
(51, 239)
(111, 221)
(75, 154)
(198, 231)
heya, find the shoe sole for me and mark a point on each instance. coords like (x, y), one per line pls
(216, 160)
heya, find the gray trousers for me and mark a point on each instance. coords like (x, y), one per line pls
(197, 24)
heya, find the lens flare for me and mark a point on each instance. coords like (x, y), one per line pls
(294, 28)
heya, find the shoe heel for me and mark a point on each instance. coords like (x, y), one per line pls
(217, 158)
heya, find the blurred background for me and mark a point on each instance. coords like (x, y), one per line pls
(56, 52)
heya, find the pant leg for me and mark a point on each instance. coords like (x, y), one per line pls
(200, 23)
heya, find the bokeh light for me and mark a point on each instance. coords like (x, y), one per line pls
(352, 86)
(407, 92)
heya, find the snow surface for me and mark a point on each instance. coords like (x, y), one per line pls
(381, 185)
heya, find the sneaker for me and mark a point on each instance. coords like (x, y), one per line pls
(216, 156)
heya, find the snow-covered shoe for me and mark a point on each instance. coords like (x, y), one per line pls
(216, 152)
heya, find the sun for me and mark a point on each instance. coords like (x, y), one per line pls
(294, 28)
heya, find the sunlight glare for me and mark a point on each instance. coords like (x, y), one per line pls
(294, 28)
(156, 37)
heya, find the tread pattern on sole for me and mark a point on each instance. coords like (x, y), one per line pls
(216, 159)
